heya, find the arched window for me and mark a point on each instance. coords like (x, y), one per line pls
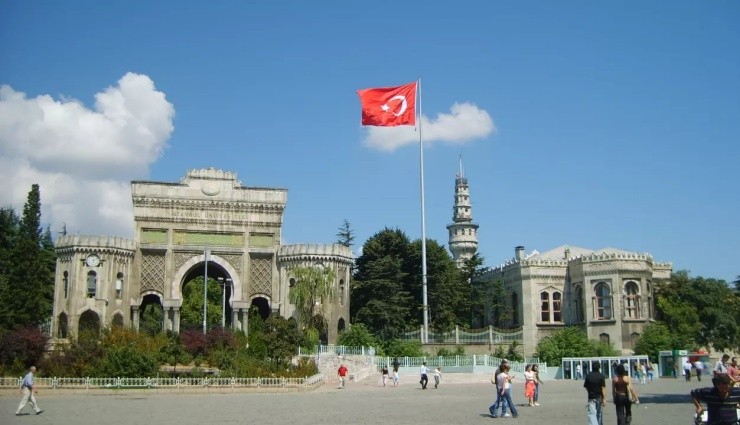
(604, 338)
(291, 282)
(65, 282)
(649, 300)
(579, 315)
(119, 285)
(117, 321)
(341, 291)
(603, 301)
(633, 339)
(545, 307)
(92, 284)
(514, 308)
(631, 300)
(557, 302)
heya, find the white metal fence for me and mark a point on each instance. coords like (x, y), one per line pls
(173, 383)
(488, 335)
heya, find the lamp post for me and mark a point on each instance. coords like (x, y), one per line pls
(207, 255)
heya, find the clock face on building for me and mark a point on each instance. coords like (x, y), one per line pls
(92, 260)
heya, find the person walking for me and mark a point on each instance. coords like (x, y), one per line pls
(437, 376)
(503, 394)
(623, 394)
(342, 372)
(423, 378)
(395, 365)
(643, 373)
(594, 385)
(538, 381)
(721, 365)
(384, 373)
(579, 373)
(699, 365)
(29, 391)
(530, 383)
(687, 370)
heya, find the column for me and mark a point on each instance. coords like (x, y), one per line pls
(235, 319)
(135, 313)
(177, 320)
(165, 318)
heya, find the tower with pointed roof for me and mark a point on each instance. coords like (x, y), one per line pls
(463, 233)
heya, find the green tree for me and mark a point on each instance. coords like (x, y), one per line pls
(312, 285)
(29, 290)
(654, 338)
(358, 336)
(281, 338)
(571, 341)
(345, 234)
(380, 298)
(191, 313)
(717, 320)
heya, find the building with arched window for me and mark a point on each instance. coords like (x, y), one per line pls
(608, 291)
(208, 223)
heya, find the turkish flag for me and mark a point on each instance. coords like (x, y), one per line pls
(389, 106)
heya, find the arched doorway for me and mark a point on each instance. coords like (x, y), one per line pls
(219, 295)
(89, 323)
(322, 326)
(151, 315)
(340, 325)
(117, 321)
(263, 305)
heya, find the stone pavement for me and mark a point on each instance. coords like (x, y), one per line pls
(459, 400)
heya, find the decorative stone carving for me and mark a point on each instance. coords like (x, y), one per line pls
(152, 272)
(260, 274)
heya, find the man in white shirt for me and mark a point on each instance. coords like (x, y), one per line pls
(699, 368)
(721, 366)
(687, 370)
(29, 392)
(423, 371)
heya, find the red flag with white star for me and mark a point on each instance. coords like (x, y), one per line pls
(389, 106)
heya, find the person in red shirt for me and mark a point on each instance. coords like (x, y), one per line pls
(342, 372)
(734, 371)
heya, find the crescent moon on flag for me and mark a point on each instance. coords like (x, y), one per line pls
(404, 105)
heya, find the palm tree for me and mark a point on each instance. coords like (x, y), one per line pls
(313, 285)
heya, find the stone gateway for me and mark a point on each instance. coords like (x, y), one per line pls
(208, 222)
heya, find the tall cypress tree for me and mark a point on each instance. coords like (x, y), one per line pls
(29, 289)
(9, 224)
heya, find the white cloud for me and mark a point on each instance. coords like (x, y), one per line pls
(464, 123)
(83, 159)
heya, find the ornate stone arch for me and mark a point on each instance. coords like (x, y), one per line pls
(176, 285)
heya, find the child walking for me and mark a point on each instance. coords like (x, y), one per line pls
(437, 376)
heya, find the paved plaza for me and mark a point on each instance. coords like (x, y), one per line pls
(459, 400)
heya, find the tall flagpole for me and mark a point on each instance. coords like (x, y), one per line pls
(425, 337)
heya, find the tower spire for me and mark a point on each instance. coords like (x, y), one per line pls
(463, 233)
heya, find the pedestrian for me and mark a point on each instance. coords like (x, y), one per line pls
(396, 365)
(579, 373)
(497, 380)
(721, 365)
(423, 378)
(734, 372)
(29, 392)
(530, 382)
(721, 399)
(538, 381)
(437, 376)
(699, 366)
(643, 373)
(503, 396)
(623, 394)
(687, 370)
(650, 371)
(384, 372)
(594, 385)
(675, 370)
(342, 372)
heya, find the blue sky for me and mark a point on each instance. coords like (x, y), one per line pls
(613, 124)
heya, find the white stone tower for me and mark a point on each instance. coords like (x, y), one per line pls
(463, 233)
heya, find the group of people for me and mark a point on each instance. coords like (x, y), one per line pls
(503, 379)
(424, 376)
(623, 395)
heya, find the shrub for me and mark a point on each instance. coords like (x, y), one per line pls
(127, 362)
(22, 348)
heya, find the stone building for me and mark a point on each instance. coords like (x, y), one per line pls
(208, 223)
(608, 291)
